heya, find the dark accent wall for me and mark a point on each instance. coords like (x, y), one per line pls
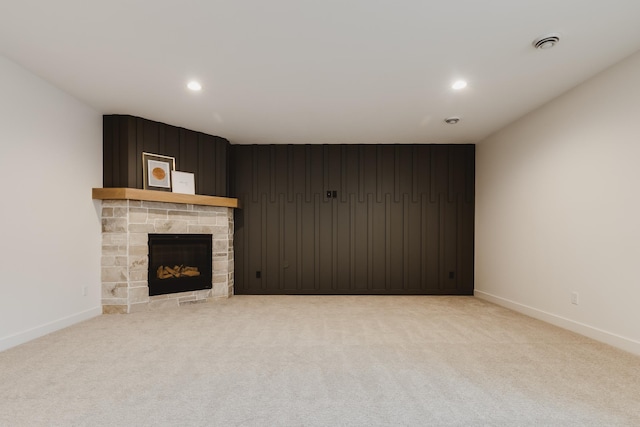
(354, 219)
(125, 138)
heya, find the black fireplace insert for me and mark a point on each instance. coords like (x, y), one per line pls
(179, 263)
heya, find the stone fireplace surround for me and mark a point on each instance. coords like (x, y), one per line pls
(129, 215)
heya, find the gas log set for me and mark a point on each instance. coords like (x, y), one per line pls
(166, 272)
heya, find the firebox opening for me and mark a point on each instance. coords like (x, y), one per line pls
(179, 263)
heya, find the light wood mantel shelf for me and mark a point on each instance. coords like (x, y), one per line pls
(162, 196)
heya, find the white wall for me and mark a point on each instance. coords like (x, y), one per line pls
(558, 210)
(50, 158)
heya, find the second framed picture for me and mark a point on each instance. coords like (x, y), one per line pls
(156, 171)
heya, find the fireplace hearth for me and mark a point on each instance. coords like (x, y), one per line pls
(179, 263)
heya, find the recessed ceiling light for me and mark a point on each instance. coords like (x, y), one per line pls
(194, 86)
(460, 84)
(452, 120)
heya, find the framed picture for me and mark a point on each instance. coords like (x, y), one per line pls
(183, 182)
(156, 171)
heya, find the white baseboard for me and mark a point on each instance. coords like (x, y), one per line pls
(618, 341)
(47, 328)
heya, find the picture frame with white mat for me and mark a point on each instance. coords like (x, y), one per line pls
(156, 171)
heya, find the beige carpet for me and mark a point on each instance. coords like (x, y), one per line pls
(319, 361)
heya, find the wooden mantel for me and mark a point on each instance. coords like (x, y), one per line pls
(162, 196)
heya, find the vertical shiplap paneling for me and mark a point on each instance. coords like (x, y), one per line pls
(220, 174)
(342, 243)
(109, 152)
(402, 221)
(125, 138)
(412, 245)
(325, 247)
(369, 237)
(148, 135)
(272, 266)
(171, 146)
(307, 251)
(264, 249)
(394, 244)
(131, 154)
(188, 159)
(205, 184)
(432, 244)
(448, 242)
(361, 246)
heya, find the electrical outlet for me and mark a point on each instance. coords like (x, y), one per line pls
(84, 291)
(574, 298)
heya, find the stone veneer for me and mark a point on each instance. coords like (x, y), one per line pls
(125, 252)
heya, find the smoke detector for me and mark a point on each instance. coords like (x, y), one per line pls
(452, 120)
(547, 41)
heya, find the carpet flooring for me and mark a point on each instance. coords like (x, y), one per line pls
(319, 361)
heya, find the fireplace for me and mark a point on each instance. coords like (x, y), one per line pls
(129, 216)
(179, 263)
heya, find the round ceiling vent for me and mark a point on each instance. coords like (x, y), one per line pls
(452, 120)
(547, 41)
